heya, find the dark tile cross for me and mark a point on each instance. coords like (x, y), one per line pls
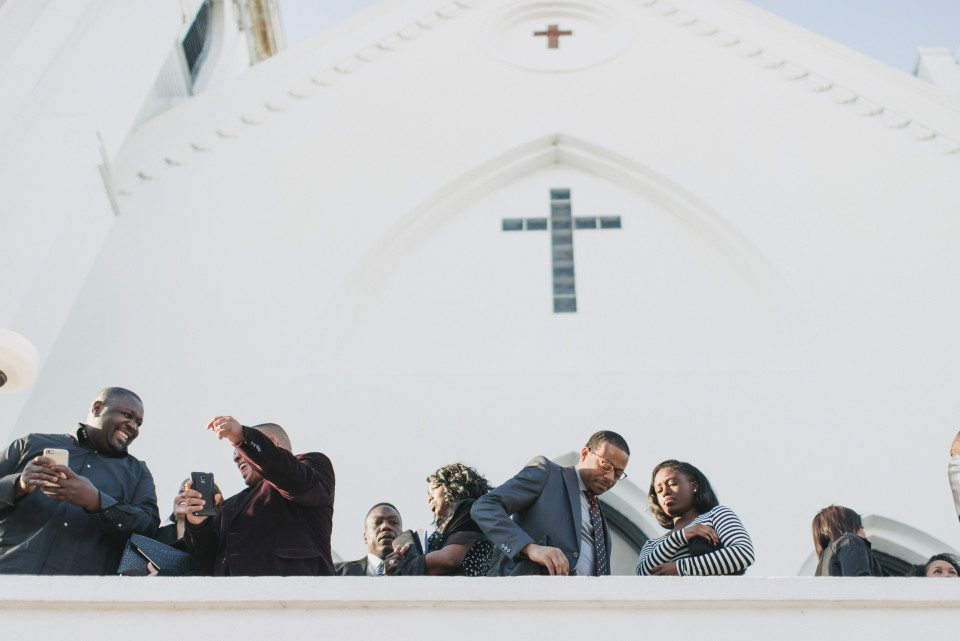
(561, 225)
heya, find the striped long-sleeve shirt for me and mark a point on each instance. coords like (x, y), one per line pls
(735, 553)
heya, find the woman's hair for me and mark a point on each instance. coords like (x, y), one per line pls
(831, 523)
(460, 482)
(704, 499)
(921, 570)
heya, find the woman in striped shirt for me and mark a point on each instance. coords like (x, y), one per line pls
(705, 538)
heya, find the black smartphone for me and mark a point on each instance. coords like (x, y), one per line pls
(203, 482)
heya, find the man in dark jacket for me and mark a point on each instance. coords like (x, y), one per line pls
(280, 524)
(75, 519)
(547, 519)
(380, 527)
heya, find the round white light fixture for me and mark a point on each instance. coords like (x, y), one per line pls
(19, 362)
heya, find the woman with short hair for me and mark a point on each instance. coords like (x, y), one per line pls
(457, 547)
(939, 566)
(841, 544)
(705, 538)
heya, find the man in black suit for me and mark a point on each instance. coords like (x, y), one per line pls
(380, 527)
(557, 526)
(280, 524)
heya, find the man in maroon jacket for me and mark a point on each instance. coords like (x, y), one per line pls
(280, 524)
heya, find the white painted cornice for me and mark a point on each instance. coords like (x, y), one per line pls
(897, 103)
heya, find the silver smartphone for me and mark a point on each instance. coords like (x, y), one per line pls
(59, 457)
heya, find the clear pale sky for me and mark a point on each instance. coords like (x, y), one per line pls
(887, 30)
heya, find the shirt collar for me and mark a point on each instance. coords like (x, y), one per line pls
(583, 488)
(372, 562)
(79, 434)
(84, 441)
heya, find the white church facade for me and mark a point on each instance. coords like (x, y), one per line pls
(479, 230)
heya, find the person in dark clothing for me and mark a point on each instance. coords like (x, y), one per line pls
(841, 544)
(380, 527)
(547, 519)
(76, 519)
(280, 524)
(176, 526)
(458, 546)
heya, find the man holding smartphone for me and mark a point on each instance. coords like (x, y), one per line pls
(280, 524)
(75, 518)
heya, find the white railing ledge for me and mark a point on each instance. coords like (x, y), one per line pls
(527, 608)
(632, 593)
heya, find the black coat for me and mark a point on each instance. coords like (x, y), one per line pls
(279, 527)
(850, 555)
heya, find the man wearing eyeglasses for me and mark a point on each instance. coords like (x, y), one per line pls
(557, 526)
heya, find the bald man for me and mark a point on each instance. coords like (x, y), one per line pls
(75, 519)
(280, 524)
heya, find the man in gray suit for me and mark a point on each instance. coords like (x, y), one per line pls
(557, 526)
(380, 527)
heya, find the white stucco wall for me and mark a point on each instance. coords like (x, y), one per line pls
(319, 244)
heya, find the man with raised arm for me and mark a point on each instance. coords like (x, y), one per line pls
(280, 524)
(75, 519)
(380, 527)
(557, 526)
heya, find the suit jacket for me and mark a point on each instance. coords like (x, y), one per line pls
(279, 527)
(351, 568)
(544, 501)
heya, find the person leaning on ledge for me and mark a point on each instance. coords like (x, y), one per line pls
(380, 527)
(280, 524)
(76, 519)
(557, 525)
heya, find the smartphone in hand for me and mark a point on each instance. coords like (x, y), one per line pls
(203, 482)
(57, 457)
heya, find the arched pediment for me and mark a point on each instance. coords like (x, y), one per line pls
(703, 244)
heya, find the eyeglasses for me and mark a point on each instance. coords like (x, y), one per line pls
(607, 466)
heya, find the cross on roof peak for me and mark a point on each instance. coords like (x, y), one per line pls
(553, 34)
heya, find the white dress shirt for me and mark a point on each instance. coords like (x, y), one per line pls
(587, 558)
(373, 561)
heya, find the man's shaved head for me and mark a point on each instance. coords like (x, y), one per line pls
(276, 432)
(114, 419)
(115, 392)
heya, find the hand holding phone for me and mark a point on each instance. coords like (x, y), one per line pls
(39, 473)
(202, 482)
(57, 457)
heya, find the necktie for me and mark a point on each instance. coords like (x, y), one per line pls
(380, 569)
(601, 567)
